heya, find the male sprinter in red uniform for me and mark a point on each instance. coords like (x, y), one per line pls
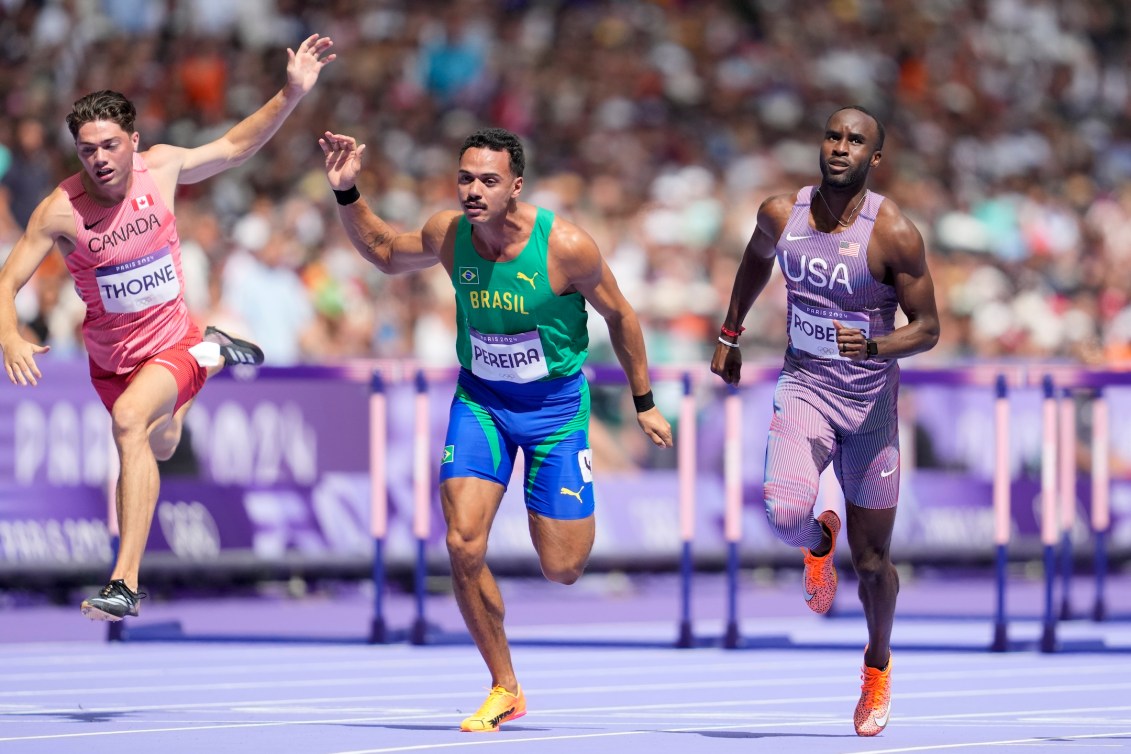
(113, 222)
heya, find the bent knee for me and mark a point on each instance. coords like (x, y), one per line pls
(165, 447)
(563, 573)
(789, 512)
(128, 419)
(466, 546)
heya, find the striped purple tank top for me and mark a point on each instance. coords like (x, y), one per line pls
(827, 278)
(127, 269)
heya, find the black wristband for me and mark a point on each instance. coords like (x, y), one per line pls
(349, 196)
(643, 402)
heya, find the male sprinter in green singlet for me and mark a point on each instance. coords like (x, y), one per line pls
(521, 278)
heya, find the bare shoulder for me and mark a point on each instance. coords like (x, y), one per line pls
(163, 157)
(900, 240)
(54, 216)
(568, 241)
(438, 228)
(774, 213)
(778, 205)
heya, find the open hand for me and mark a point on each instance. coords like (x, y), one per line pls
(19, 361)
(343, 159)
(304, 66)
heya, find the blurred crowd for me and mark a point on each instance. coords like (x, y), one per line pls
(657, 126)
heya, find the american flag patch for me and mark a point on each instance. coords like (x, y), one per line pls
(142, 202)
(849, 249)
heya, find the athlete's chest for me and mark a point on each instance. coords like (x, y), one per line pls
(826, 266)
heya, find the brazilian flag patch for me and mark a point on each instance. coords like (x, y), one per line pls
(469, 276)
(449, 454)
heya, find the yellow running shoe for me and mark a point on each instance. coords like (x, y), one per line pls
(874, 707)
(501, 706)
(820, 573)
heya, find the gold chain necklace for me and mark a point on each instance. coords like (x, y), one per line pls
(842, 223)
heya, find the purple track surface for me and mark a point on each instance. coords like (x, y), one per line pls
(295, 675)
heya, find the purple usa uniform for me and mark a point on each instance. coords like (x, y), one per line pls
(827, 408)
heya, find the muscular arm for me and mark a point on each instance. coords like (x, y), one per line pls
(389, 251)
(906, 262)
(586, 271)
(52, 219)
(249, 135)
(753, 273)
(376, 241)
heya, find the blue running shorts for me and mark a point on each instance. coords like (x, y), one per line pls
(548, 419)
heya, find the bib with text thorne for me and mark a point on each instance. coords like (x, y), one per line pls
(138, 284)
(812, 330)
(519, 357)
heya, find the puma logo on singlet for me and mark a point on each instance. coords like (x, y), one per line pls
(523, 276)
(571, 493)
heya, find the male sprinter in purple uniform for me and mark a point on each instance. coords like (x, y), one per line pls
(849, 256)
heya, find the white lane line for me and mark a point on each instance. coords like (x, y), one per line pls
(1058, 739)
(809, 701)
(417, 663)
(277, 704)
(1004, 673)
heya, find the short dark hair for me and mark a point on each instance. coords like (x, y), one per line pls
(498, 140)
(870, 114)
(102, 105)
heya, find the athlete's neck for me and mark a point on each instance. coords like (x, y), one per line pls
(504, 239)
(841, 206)
(108, 196)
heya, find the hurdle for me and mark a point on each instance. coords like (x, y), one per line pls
(732, 522)
(422, 502)
(1000, 379)
(1049, 506)
(1101, 491)
(1002, 504)
(1066, 476)
(1095, 383)
(378, 501)
(420, 631)
(685, 448)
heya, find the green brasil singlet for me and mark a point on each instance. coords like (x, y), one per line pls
(510, 326)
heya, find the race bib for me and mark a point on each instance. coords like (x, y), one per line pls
(508, 358)
(138, 284)
(812, 330)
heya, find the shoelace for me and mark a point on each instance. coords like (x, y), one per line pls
(817, 572)
(499, 691)
(874, 685)
(109, 590)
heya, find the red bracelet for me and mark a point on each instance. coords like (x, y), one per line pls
(732, 333)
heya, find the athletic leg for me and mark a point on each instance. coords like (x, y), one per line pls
(869, 470)
(165, 433)
(563, 546)
(799, 447)
(869, 537)
(470, 505)
(148, 401)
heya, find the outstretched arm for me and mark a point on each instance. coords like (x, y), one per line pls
(753, 274)
(588, 273)
(249, 135)
(48, 222)
(374, 239)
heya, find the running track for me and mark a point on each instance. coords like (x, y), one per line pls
(609, 683)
